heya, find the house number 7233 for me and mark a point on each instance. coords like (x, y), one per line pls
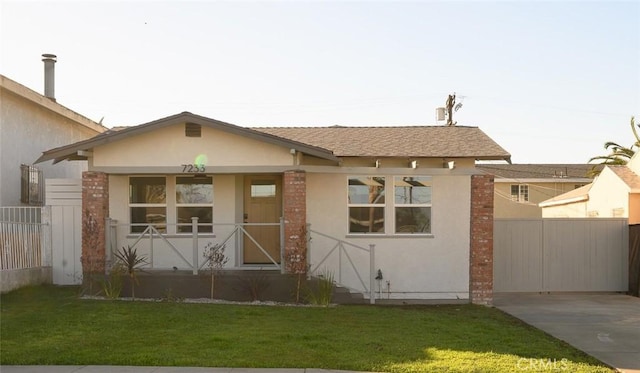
(193, 168)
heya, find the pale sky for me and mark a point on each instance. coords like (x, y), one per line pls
(548, 81)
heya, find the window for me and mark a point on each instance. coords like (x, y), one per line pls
(31, 185)
(194, 198)
(366, 204)
(520, 193)
(412, 198)
(148, 203)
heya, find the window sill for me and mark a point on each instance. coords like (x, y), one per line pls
(398, 235)
(173, 235)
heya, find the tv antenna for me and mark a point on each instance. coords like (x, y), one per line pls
(447, 111)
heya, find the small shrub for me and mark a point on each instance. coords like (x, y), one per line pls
(216, 260)
(322, 293)
(112, 283)
(254, 285)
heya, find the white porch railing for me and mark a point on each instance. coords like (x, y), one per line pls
(340, 251)
(23, 238)
(235, 234)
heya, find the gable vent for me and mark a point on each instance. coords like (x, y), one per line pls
(192, 130)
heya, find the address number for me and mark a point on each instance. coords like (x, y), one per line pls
(194, 168)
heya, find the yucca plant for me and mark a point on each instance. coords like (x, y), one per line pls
(132, 262)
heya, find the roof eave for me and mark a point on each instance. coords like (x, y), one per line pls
(564, 201)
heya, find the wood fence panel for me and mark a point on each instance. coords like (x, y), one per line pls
(517, 257)
(65, 198)
(634, 260)
(566, 254)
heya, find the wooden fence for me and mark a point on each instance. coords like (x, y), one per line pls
(634, 260)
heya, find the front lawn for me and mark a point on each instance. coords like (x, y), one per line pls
(51, 325)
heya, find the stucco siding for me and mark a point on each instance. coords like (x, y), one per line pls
(426, 267)
(634, 208)
(214, 148)
(27, 129)
(608, 197)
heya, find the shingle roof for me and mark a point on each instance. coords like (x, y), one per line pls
(405, 141)
(327, 142)
(538, 171)
(628, 176)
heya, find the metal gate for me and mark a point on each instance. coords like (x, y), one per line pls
(535, 255)
(65, 198)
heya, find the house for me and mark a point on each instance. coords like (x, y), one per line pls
(615, 193)
(30, 123)
(519, 188)
(407, 201)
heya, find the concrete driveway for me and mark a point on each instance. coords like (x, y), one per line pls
(604, 325)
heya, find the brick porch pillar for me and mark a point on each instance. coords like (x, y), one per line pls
(294, 194)
(481, 250)
(95, 209)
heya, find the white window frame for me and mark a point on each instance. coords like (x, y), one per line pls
(523, 193)
(138, 204)
(170, 226)
(397, 180)
(178, 205)
(382, 205)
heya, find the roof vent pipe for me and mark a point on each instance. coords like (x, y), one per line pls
(49, 75)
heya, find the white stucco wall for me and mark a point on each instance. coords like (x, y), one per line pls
(418, 267)
(28, 128)
(220, 149)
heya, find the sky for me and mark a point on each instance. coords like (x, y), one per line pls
(550, 82)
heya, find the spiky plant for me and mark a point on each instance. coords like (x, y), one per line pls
(132, 262)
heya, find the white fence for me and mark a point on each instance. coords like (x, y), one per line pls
(22, 236)
(549, 255)
(25, 241)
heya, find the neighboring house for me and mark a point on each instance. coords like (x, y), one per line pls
(615, 193)
(29, 124)
(413, 192)
(519, 188)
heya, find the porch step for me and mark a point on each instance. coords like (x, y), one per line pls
(342, 295)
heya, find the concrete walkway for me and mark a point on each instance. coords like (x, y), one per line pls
(604, 325)
(128, 369)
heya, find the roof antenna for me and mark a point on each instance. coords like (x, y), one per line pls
(451, 102)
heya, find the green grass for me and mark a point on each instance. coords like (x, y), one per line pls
(51, 325)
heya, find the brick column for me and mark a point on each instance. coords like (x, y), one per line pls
(294, 196)
(95, 209)
(481, 250)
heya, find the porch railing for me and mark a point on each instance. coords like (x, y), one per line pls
(23, 237)
(342, 251)
(151, 234)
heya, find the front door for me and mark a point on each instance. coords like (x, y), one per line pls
(262, 204)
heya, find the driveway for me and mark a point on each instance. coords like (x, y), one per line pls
(604, 325)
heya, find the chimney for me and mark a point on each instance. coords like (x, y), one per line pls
(49, 75)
